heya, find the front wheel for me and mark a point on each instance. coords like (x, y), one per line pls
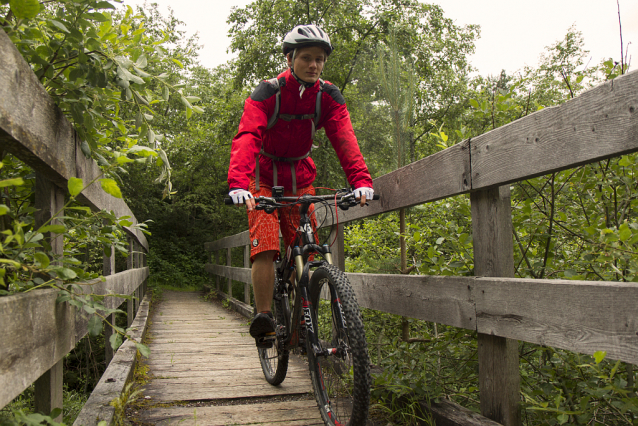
(341, 380)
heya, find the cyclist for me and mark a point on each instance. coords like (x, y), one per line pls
(272, 148)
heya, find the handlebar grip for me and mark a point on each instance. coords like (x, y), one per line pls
(228, 201)
(376, 196)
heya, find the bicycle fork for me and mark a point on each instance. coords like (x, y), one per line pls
(341, 350)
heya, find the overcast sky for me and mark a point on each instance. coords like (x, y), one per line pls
(513, 32)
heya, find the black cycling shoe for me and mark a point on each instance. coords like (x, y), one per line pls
(262, 328)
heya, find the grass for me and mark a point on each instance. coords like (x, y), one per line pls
(73, 402)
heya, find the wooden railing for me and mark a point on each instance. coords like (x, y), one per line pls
(36, 332)
(581, 316)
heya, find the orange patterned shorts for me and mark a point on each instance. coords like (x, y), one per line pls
(264, 227)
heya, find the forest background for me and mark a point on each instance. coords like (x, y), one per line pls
(161, 125)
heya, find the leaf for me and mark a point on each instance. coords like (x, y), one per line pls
(144, 350)
(65, 273)
(141, 62)
(104, 5)
(97, 16)
(599, 356)
(55, 413)
(110, 187)
(42, 259)
(440, 240)
(95, 325)
(25, 9)
(193, 98)
(198, 110)
(11, 182)
(115, 340)
(179, 64)
(58, 229)
(3, 209)
(75, 186)
(86, 149)
(59, 25)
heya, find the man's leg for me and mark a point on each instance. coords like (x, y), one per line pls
(263, 276)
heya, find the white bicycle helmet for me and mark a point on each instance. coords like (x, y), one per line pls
(306, 35)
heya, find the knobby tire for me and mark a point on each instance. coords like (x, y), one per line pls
(274, 360)
(341, 384)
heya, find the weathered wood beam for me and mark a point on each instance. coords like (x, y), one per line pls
(49, 200)
(499, 374)
(598, 124)
(580, 316)
(230, 272)
(237, 240)
(447, 413)
(117, 374)
(37, 332)
(36, 131)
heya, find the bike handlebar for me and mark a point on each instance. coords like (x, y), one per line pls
(344, 199)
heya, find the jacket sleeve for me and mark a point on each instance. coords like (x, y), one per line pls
(339, 130)
(247, 143)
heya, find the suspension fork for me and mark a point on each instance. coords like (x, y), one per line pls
(307, 307)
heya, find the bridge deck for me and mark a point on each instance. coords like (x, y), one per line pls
(203, 357)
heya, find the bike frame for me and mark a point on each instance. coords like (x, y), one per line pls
(295, 259)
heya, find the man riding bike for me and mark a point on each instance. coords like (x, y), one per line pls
(272, 148)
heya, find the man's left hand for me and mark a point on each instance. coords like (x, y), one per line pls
(362, 194)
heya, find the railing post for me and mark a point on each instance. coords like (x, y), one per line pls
(130, 310)
(229, 263)
(218, 255)
(247, 265)
(108, 268)
(338, 248)
(499, 376)
(49, 200)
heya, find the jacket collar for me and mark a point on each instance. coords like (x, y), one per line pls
(293, 85)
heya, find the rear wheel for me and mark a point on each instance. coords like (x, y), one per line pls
(274, 360)
(341, 381)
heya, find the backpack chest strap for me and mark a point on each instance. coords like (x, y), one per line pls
(275, 159)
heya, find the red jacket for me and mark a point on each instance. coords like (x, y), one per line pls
(291, 139)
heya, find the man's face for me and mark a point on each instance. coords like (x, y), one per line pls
(309, 63)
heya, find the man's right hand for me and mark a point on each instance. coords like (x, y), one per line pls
(241, 196)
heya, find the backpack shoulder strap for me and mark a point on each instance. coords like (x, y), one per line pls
(318, 103)
(278, 83)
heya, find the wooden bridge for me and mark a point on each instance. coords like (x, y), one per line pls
(581, 316)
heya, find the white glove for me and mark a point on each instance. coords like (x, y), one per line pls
(364, 190)
(240, 195)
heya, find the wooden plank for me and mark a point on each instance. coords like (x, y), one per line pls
(34, 129)
(42, 331)
(499, 376)
(283, 413)
(598, 124)
(237, 240)
(580, 316)
(216, 392)
(117, 374)
(446, 300)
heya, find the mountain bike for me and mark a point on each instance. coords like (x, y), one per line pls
(315, 310)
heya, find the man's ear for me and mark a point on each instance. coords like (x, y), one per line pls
(289, 59)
